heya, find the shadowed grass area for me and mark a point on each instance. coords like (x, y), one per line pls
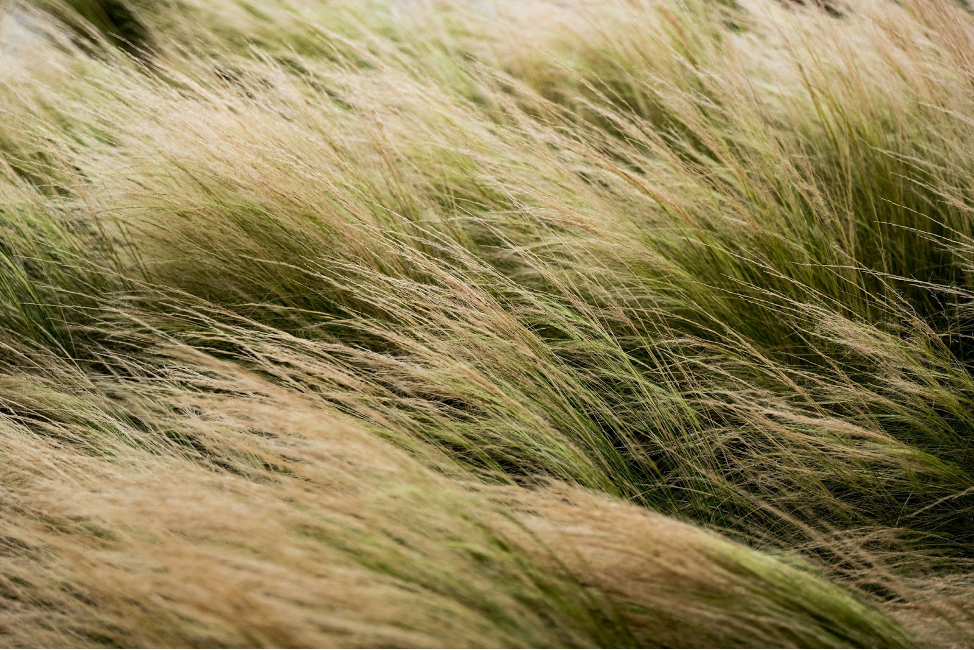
(584, 324)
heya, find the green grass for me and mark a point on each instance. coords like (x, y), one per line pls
(616, 323)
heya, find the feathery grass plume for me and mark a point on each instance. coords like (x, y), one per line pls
(193, 503)
(459, 306)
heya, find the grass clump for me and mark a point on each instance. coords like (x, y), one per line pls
(607, 324)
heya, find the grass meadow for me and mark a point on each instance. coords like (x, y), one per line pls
(406, 323)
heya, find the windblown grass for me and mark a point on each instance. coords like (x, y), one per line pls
(457, 323)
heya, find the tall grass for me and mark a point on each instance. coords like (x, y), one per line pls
(451, 323)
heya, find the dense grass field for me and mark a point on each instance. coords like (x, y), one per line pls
(486, 323)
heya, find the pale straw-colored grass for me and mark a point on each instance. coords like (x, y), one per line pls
(450, 323)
